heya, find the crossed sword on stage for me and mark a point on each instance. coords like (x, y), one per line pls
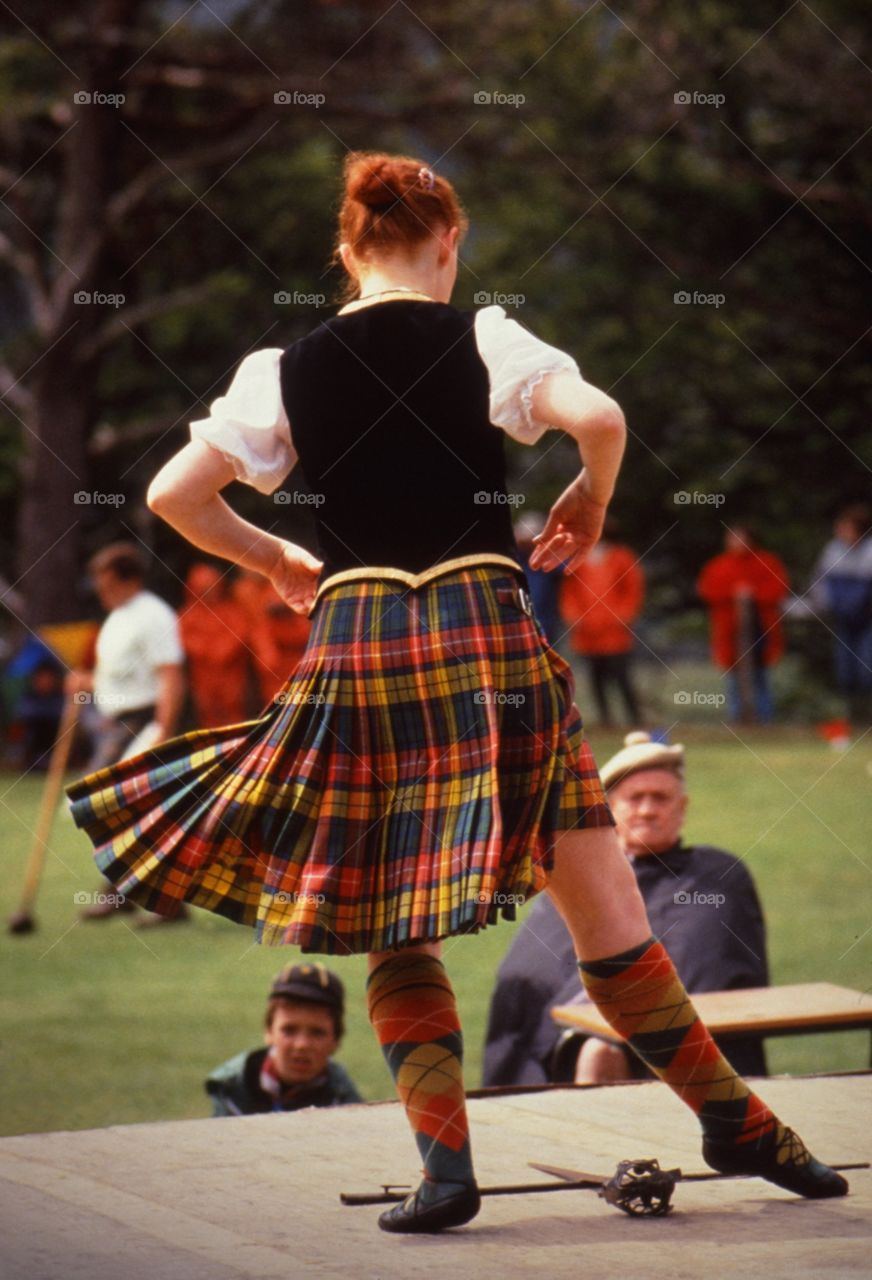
(638, 1187)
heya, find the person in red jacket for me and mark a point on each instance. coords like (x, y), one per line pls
(278, 634)
(215, 637)
(744, 588)
(600, 600)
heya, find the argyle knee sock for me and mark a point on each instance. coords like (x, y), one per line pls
(414, 1015)
(644, 1000)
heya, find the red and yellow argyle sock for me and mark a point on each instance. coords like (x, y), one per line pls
(414, 1014)
(644, 1000)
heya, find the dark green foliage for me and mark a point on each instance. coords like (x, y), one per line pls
(598, 199)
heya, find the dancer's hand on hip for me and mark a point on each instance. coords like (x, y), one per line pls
(574, 525)
(295, 577)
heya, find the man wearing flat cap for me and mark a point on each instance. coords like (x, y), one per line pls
(700, 897)
(302, 1029)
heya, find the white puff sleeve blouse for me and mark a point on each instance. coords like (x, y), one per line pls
(516, 362)
(250, 428)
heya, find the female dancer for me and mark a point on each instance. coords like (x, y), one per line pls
(425, 768)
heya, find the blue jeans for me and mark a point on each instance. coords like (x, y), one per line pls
(764, 708)
(852, 651)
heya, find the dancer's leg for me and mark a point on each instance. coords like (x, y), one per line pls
(631, 979)
(414, 1015)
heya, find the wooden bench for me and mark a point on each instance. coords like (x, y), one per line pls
(803, 1008)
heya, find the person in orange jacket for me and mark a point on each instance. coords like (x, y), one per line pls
(215, 637)
(744, 588)
(278, 635)
(600, 600)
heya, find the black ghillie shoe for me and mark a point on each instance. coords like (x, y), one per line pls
(415, 1214)
(786, 1161)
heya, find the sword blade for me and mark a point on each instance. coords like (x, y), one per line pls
(511, 1189)
(569, 1175)
(576, 1175)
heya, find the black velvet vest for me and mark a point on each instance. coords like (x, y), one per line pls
(388, 407)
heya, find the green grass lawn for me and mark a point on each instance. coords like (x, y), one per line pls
(103, 1024)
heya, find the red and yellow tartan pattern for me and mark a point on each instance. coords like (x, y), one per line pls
(407, 783)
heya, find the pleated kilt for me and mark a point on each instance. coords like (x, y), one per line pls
(406, 784)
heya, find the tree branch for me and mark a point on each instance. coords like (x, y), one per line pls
(12, 390)
(26, 262)
(125, 201)
(20, 259)
(158, 306)
(108, 437)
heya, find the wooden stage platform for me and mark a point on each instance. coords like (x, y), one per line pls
(259, 1196)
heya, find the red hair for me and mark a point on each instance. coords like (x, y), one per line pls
(392, 203)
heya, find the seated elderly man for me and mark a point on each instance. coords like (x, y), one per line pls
(700, 897)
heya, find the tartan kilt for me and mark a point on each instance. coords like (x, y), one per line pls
(406, 784)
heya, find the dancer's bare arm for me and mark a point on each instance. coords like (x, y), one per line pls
(596, 423)
(185, 493)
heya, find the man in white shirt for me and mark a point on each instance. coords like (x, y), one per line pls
(137, 686)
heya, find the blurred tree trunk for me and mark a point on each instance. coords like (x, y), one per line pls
(60, 404)
(55, 471)
(92, 188)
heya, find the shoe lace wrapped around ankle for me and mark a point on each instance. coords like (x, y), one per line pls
(790, 1149)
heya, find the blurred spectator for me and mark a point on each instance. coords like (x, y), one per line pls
(744, 588)
(303, 1028)
(701, 897)
(39, 709)
(544, 586)
(214, 628)
(278, 635)
(600, 600)
(31, 702)
(842, 591)
(137, 685)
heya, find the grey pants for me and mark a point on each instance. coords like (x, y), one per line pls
(113, 734)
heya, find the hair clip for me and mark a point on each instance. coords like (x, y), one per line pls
(427, 179)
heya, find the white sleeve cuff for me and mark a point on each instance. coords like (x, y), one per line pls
(249, 426)
(516, 361)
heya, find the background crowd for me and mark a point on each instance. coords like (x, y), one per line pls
(237, 642)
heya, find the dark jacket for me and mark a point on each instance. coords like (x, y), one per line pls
(713, 947)
(235, 1088)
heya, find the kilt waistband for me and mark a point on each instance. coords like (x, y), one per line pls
(416, 579)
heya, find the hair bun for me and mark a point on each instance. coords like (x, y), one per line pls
(390, 204)
(637, 737)
(374, 183)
